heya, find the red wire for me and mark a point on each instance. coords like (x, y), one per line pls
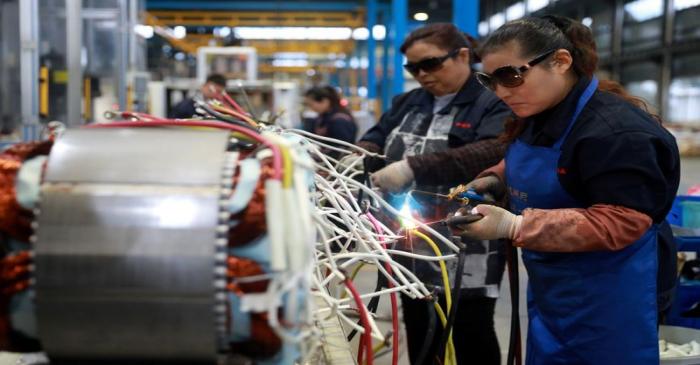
(394, 301)
(277, 155)
(233, 102)
(366, 338)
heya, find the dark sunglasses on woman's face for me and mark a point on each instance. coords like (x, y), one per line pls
(429, 64)
(509, 76)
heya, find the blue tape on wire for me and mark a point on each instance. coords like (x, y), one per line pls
(247, 181)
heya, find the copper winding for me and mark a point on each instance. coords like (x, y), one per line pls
(15, 220)
(252, 219)
(263, 341)
(14, 273)
(240, 268)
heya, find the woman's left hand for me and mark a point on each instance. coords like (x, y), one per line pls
(496, 223)
(394, 178)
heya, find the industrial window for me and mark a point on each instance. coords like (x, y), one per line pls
(642, 80)
(684, 92)
(687, 24)
(642, 24)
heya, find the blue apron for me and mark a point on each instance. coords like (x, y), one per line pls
(584, 308)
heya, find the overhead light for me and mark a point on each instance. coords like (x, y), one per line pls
(379, 32)
(291, 55)
(179, 32)
(360, 34)
(496, 20)
(483, 28)
(290, 63)
(684, 4)
(145, 31)
(421, 17)
(643, 10)
(534, 5)
(515, 11)
(587, 21)
(222, 32)
(298, 33)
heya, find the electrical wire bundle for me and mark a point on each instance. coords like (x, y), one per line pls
(350, 237)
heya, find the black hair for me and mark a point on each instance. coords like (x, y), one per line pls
(217, 79)
(318, 93)
(445, 36)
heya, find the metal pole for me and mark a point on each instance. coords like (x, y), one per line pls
(371, 48)
(465, 15)
(666, 59)
(399, 12)
(123, 53)
(133, 20)
(29, 67)
(74, 40)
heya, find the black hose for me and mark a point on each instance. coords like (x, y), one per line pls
(373, 303)
(428, 340)
(455, 302)
(365, 181)
(514, 350)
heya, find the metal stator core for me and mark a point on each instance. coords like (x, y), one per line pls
(126, 245)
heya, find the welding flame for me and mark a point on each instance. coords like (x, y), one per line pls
(406, 219)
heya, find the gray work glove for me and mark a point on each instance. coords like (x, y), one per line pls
(394, 178)
(496, 223)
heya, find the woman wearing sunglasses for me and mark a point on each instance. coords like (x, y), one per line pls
(437, 136)
(591, 176)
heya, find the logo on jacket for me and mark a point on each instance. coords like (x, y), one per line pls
(465, 125)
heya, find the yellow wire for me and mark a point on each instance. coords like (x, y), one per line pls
(287, 177)
(352, 277)
(237, 114)
(450, 350)
(443, 268)
(446, 283)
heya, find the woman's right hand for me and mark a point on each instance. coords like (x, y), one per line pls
(489, 186)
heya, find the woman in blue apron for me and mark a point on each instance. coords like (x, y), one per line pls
(436, 136)
(590, 175)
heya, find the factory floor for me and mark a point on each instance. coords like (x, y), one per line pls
(690, 175)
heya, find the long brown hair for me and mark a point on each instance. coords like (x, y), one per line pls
(537, 35)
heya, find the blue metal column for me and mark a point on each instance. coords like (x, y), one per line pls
(465, 15)
(371, 48)
(386, 81)
(399, 13)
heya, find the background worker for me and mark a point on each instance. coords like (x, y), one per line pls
(591, 176)
(436, 136)
(211, 89)
(333, 120)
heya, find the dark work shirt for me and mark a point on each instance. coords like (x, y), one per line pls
(616, 153)
(338, 125)
(478, 121)
(480, 116)
(183, 110)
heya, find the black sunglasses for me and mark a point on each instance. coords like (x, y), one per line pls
(509, 76)
(429, 64)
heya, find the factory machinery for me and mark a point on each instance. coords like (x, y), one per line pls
(210, 240)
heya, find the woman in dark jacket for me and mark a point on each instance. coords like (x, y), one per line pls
(437, 136)
(334, 120)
